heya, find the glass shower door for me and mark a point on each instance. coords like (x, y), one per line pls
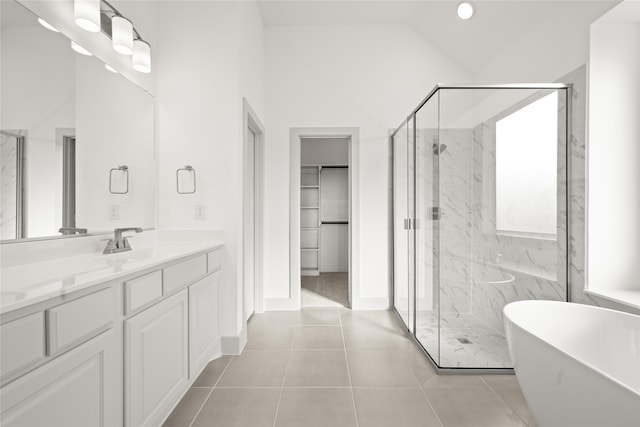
(400, 223)
(426, 232)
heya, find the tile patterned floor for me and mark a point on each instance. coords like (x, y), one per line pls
(484, 347)
(333, 367)
(325, 290)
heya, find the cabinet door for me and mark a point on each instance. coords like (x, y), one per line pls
(75, 389)
(203, 321)
(156, 364)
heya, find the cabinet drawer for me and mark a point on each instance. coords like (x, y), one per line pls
(214, 260)
(142, 290)
(185, 272)
(78, 320)
(21, 343)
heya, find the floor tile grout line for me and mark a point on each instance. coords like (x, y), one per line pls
(201, 406)
(211, 392)
(284, 379)
(504, 401)
(346, 358)
(427, 397)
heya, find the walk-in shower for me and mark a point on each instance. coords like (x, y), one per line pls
(479, 215)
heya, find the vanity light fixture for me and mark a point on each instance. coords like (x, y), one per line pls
(466, 10)
(141, 56)
(110, 68)
(47, 25)
(87, 14)
(75, 46)
(122, 35)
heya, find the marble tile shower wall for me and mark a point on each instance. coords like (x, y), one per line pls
(537, 266)
(455, 225)
(534, 267)
(8, 156)
(454, 251)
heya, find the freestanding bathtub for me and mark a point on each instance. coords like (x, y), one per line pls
(577, 365)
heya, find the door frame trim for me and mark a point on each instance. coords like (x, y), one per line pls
(252, 122)
(295, 137)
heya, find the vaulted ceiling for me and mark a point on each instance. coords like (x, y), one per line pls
(470, 44)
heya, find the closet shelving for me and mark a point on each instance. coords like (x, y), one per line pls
(311, 219)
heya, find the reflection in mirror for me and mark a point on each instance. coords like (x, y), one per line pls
(66, 121)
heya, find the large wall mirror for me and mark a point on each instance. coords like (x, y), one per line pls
(77, 140)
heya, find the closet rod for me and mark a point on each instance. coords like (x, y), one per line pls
(335, 167)
(335, 222)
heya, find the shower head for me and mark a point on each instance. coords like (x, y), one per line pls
(439, 149)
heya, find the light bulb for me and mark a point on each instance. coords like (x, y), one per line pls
(87, 14)
(122, 35)
(141, 56)
(465, 10)
(75, 46)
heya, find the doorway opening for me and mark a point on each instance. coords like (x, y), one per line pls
(324, 222)
(252, 212)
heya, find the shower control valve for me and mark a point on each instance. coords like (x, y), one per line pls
(435, 213)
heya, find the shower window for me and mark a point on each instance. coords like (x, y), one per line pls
(526, 169)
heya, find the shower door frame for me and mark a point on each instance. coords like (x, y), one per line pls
(567, 87)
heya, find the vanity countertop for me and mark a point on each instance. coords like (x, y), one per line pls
(27, 284)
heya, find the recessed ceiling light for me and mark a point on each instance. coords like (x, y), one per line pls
(110, 68)
(75, 46)
(47, 25)
(465, 10)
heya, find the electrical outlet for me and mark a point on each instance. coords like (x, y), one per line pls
(114, 212)
(201, 212)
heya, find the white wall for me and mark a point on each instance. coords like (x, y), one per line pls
(545, 53)
(369, 77)
(613, 224)
(209, 57)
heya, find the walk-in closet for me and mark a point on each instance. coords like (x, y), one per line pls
(324, 222)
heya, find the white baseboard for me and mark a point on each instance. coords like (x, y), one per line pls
(234, 345)
(370, 304)
(281, 304)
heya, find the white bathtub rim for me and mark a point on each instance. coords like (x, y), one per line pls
(570, 356)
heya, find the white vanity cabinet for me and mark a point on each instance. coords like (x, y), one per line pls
(203, 331)
(121, 352)
(169, 343)
(156, 360)
(76, 389)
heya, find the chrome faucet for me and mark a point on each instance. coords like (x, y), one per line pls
(72, 230)
(120, 243)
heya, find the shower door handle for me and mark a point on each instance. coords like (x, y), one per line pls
(411, 224)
